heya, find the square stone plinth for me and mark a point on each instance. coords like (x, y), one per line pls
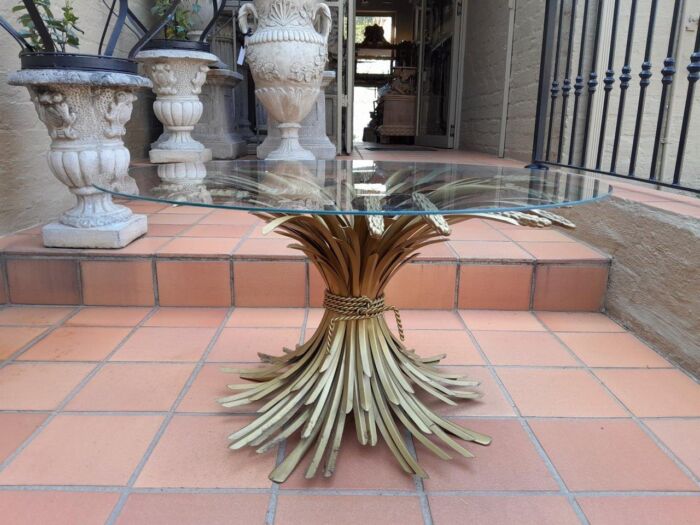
(227, 150)
(57, 235)
(164, 156)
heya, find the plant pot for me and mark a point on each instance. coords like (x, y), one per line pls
(77, 61)
(178, 76)
(286, 56)
(85, 113)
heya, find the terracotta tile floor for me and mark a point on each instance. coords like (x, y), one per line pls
(108, 415)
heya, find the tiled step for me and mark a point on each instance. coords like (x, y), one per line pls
(201, 257)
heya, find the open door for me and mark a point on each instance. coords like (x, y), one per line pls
(337, 62)
(438, 72)
(341, 51)
(349, 46)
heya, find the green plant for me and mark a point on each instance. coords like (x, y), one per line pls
(181, 21)
(64, 31)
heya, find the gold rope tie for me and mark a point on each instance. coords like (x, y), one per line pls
(355, 309)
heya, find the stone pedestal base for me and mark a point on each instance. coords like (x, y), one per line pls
(178, 76)
(231, 147)
(312, 135)
(217, 127)
(162, 156)
(57, 235)
(289, 147)
(320, 147)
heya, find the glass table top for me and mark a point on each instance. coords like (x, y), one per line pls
(359, 187)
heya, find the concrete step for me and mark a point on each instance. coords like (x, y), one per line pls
(201, 257)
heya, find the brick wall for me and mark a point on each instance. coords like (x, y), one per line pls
(484, 76)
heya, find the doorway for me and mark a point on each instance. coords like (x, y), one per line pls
(402, 84)
(396, 65)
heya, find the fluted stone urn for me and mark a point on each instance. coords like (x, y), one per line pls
(287, 55)
(178, 76)
(85, 113)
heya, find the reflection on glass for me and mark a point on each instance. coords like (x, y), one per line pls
(182, 182)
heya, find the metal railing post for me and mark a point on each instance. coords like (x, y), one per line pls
(693, 77)
(548, 34)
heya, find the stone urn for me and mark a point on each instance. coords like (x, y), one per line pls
(287, 56)
(178, 76)
(85, 113)
(312, 135)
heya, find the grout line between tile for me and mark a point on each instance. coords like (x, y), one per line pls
(81, 285)
(274, 495)
(253, 414)
(4, 280)
(339, 492)
(154, 278)
(227, 362)
(307, 287)
(74, 392)
(232, 282)
(282, 448)
(563, 489)
(659, 443)
(550, 466)
(420, 486)
(633, 416)
(533, 286)
(458, 283)
(630, 332)
(50, 329)
(166, 421)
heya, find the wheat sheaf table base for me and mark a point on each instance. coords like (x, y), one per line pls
(353, 365)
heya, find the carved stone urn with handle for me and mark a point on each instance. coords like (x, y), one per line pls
(85, 113)
(287, 56)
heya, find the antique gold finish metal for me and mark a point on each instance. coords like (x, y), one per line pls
(353, 363)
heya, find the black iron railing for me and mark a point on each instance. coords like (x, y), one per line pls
(594, 131)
